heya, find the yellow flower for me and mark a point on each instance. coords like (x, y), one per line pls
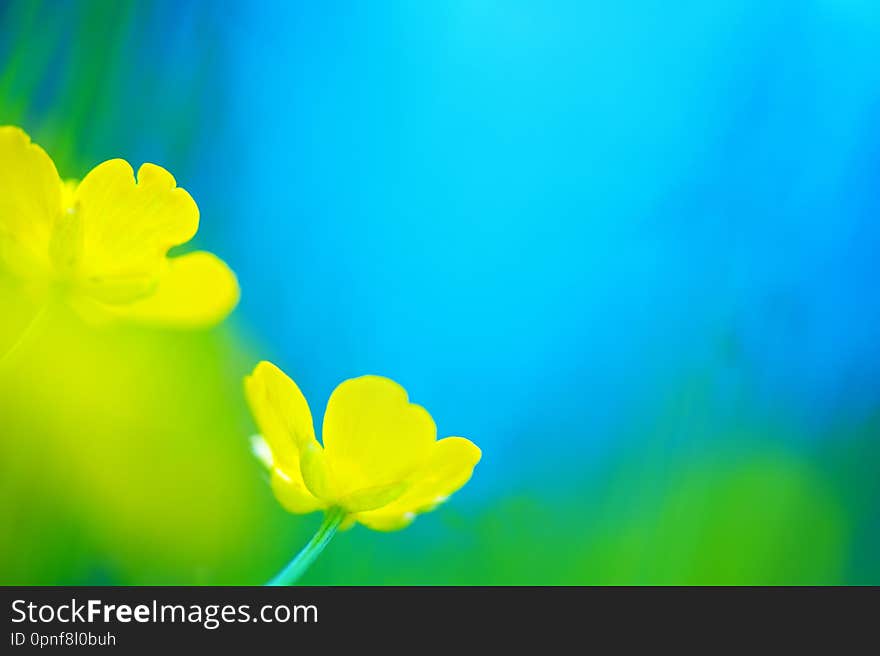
(380, 462)
(102, 244)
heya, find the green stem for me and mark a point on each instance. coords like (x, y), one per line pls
(29, 330)
(301, 562)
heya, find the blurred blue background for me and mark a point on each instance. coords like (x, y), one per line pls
(628, 248)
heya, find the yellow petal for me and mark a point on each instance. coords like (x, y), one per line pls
(30, 201)
(373, 497)
(373, 436)
(128, 224)
(281, 412)
(293, 494)
(450, 466)
(284, 419)
(315, 473)
(196, 289)
(65, 243)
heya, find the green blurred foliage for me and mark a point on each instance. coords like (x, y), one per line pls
(87, 80)
(761, 521)
(124, 456)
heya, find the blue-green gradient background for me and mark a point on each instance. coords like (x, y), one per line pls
(629, 248)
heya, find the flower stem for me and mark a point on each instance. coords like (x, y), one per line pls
(29, 330)
(301, 562)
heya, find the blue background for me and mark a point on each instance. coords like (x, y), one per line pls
(628, 248)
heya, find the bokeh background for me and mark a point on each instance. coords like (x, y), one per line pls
(629, 248)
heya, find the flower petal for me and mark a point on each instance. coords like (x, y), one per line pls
(128, 224)
(293, 494)
(313, 465)
(373, 436)
(284, 419)
(196, 289)
(30, 201)
(450, 466)
(373, 497)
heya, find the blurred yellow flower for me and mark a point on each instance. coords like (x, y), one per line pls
(380, 462)
(102, 244)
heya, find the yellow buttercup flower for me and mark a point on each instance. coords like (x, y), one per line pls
(102, 244)
(380, 463)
